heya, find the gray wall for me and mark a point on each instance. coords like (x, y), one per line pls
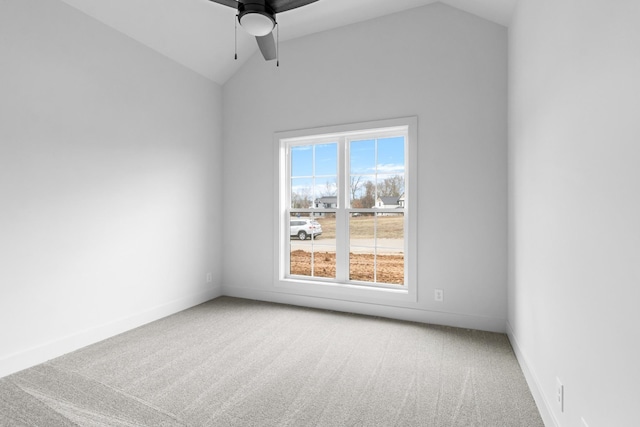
(575, 206)
(110, 160)
(446, 67)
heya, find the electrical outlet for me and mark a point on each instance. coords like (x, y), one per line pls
(560, 394)
(209, 277)
(438, 295)
(584, 423)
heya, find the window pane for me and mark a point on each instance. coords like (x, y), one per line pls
(313, 245)
(326, 159)
(327, 221)
(324, 261)
(390, 268)
(361, 264)
(362, 247)
(362, 157)
(390, 248)
(362, 164)
(362, 229)
(301, 193)
(302, 160)
(325, 192)
(391, 155)
(390, 230)
(390, 190)
(362, 191)
(377, 170)
(376, 247)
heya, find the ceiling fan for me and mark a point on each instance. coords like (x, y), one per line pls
(258, 18)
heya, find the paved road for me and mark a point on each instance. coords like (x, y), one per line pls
(385, 246)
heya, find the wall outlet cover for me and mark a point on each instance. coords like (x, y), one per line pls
(560, 394)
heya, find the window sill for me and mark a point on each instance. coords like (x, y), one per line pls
(345, 291)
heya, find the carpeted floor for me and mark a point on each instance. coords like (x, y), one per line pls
(234, 362)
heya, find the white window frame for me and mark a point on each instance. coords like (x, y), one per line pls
(350, 290)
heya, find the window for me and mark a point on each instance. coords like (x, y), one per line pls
(346, 200)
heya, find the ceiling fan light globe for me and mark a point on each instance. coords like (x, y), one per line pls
(257, 24)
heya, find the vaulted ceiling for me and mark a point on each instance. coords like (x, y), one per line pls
(199, 34)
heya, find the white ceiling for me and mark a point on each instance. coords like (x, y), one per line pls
(199, 34)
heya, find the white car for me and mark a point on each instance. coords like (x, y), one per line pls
(305, 227)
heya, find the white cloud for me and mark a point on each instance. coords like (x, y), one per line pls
(391, 168)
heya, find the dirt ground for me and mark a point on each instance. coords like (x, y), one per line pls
(390, 267)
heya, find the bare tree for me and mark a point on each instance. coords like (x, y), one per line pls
(356, 184)
(369, 198)
(301, 199)
(330, 190)
(392, 186)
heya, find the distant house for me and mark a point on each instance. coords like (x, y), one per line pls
(390, 202)
(326, 202)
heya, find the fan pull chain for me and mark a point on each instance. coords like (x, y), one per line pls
(235, 34)
(277, 45)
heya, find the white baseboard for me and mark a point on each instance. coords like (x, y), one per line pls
(33, 356)
(392, 312)
(534, 385)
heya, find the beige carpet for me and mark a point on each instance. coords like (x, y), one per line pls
(233, 362)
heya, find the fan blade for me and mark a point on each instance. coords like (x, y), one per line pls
(230, 3)
(279, 6)
(267, 46)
